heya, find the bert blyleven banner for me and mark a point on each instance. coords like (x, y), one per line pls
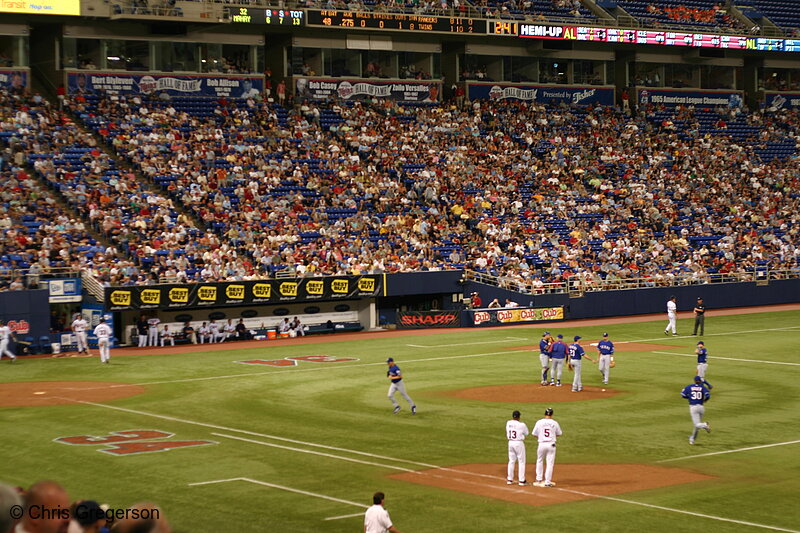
(197, 295)
(121, 83)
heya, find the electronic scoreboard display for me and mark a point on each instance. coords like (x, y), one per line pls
(271, 17)
(394, 21)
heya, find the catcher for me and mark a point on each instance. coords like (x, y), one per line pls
(606, 359)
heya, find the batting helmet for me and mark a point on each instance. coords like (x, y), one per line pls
(548, 411)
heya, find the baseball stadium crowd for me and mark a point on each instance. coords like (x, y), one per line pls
(530, 193)
(46, 507)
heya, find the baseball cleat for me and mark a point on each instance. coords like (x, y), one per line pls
(708, 428)
(413, 409)
(538, 484)
(522, 483)
(666, 332)
(548, 484)
(691, 440)
(396, 410)
(558, 384)
(509, 482)
(674, 334)
(574, 390)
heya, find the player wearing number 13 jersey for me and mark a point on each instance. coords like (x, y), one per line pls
(547, 430)
(516, 432)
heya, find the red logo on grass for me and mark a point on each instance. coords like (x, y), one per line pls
(131, 441)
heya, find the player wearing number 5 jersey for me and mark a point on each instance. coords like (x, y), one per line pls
(697, 394)
(546, 430)
(516, 432)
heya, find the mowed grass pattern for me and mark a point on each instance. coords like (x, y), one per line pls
(344, 405)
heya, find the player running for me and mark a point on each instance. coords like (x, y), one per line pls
(397, 385)
(697, 394)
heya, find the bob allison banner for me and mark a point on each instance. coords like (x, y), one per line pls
(268, 291)
(90, 82)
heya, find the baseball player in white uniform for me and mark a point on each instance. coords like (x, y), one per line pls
(546, 430)
(103, 333)
(79, 326)
(672, 309)
(516, 432)
(152, 331)
(229, 330)
(5, 337)
(167, 336)
(204, 333)
(214, 332)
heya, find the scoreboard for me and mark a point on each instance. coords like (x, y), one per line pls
(271, 17)
(394, 21)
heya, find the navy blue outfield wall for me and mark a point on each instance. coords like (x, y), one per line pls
(591, 304)
(27, 313)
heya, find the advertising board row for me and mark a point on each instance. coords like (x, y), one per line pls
(198, 295)
(515, 315)
(91, 82)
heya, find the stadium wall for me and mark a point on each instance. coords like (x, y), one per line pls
(26, 312)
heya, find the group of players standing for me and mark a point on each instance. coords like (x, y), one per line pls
(554, 353)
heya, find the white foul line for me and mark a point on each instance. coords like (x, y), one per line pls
(467, 343)
(681, 511)
(191, 422)
(344, 516)
(287, 489)
(730, 358)
(730, 451)
(312, 452)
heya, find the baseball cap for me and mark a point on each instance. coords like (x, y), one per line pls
(699, 297)
(390, 360)
(605, 334)
(545, 334)
(577, 337)
(698, 379)
(701, 342)
(560, 336)
(88, 512)
(515, 414)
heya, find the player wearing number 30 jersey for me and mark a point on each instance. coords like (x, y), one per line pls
(547, 430)
(516, 432)
(697, 395)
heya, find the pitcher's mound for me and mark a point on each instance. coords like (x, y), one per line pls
(530, 393)
(36, 393)
(573, 482)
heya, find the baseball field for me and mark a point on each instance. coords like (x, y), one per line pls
(241, 437)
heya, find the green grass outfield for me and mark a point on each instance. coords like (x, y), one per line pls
(342, 407)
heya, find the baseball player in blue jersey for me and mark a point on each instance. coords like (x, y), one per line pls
(606, 350)
(558, 353)
(544, 354)
(576, 354)
(702, 359)
(397, 385)
(697, 394)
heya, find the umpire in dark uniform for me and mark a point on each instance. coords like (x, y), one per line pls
(699, 317)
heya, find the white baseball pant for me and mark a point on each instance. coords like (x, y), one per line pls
(516, 454)
(545, 360)
(5, 351)
(80, 337)
(152, 337)
(604, 364)
(671, 324)
(401, 388)
(142, 341)
(105, 351)
(697, 412)
(577, 384)
(545, 453)
(701, 369)
(557, 370)
(169, 339)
